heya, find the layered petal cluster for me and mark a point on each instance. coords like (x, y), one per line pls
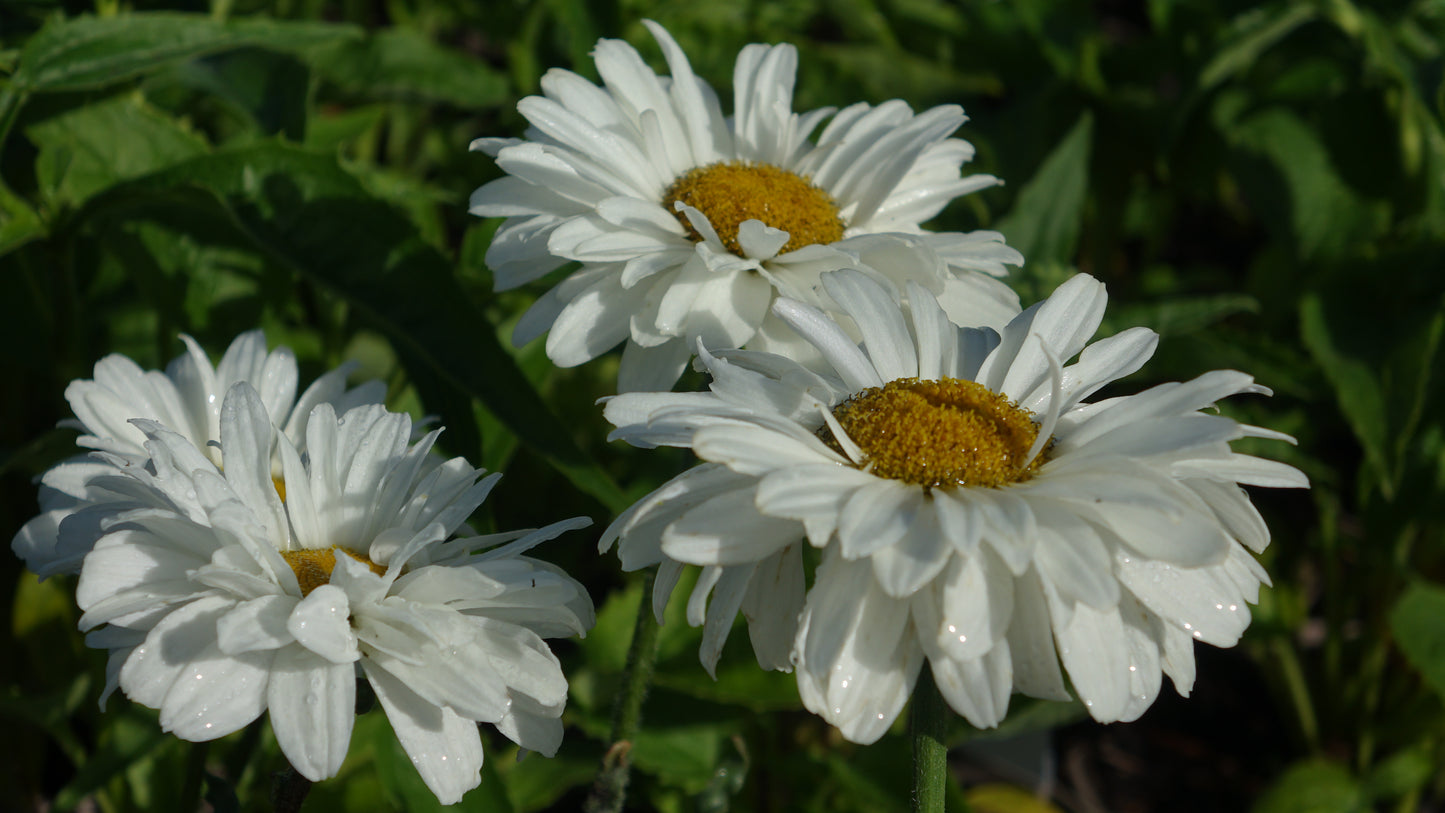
(223, 594)
(186, 398)
(689, 223)
(1119, 537)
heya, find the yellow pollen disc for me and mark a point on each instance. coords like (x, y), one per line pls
(736, 191)
(313, 567)
(939, 434)
(280, 486)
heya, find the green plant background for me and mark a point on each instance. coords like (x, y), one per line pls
(1262, 184)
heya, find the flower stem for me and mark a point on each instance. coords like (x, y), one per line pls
(928, 727)
(609, 789)
(195, 773)
(289, 791)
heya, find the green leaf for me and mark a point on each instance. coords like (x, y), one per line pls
(19, 223)
(1324, 215)
(1255, 32)
(1044, 222)
(1418, 623)
(84, 53)
(399, 777)
(1402, 774)
(307, 213)
(1316, 786)
(403, 64)
(537, 782)
(1357, 391)
(269, 90)
(90, 148)
(1180, 315)
(135, 741)
(683, 755)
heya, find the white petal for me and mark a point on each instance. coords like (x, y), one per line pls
(1031, 642)
(1200, 600)
(722, 610)
(1094, 649)
(979, 688)
(756, 450)
(256, 624)
(772, 605)
(905, 567)
(975, 601)
(759, 240)
(727, 530)
(202, 694)
(858, 667)
(857, 372)
(885, 335)
(313, 705)
(445, 748)
(1144, 675)
(321, 622)
(812, 494)
(534, 732)
(876, 516)
(1072, 559)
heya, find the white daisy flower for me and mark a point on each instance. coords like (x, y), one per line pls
(973, 510)
(186, 398)
(688, 223)
(231, 593)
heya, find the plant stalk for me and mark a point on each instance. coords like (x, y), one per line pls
(928, 728)
(609, 789)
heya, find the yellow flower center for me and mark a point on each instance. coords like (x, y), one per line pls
(939, 434)
(313, 567)
(736, 191)
(280, 486)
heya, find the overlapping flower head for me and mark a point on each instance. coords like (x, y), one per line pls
(185, 398)
(972, 509)
(688, 223)
(225, 593)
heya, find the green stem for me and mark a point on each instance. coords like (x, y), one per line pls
(11, 100)
(289, 791)
(928, 727)
(1299, 692)
(609, 789)
(195, 773)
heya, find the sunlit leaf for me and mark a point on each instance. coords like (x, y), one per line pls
(90, 148)
(81, 53)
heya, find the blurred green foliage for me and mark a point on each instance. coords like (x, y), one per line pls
(1264, 184)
